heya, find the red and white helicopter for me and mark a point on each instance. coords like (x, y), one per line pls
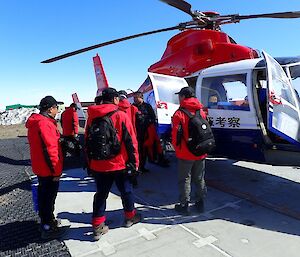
(250, 97)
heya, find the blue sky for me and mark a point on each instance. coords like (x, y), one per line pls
(33, 30)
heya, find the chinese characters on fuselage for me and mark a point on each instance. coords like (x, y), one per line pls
(232, 122)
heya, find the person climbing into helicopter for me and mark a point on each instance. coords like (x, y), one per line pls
(149, 142)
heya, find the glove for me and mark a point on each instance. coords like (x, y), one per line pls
(131, 170)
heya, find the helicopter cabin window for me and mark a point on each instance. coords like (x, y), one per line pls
(167, 87)
(225, 92)
(295, 76)
(280, 88)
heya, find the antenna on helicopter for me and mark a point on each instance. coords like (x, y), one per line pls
(201, 20)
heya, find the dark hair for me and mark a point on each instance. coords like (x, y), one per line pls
(98, 99)
(73, 105)
(48, 102)
(108, 95)
(139, 94)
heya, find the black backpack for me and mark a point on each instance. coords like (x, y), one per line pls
(201, 139)
(102, 142)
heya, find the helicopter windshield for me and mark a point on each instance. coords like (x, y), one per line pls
(225, 92)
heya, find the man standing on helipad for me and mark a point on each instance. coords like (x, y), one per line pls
(191, 168)
(47, 163)
(112, 151)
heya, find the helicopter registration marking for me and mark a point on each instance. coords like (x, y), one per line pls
(233, 122)
(232, 119)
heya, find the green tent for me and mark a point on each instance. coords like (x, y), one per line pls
(17, 106)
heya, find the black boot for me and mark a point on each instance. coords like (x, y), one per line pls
(182, 209)
(200, 206)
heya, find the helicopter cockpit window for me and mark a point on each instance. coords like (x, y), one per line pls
(225, 92)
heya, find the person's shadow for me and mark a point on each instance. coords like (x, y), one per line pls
(6, 160)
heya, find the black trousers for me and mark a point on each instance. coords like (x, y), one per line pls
(142, 155)
(104, 182)
(47, 192)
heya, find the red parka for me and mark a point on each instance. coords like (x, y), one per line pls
(69, 122)
(192, 105)
(45, 150)
(125, 133)
(130, 110)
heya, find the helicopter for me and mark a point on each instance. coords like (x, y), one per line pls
(248, 95)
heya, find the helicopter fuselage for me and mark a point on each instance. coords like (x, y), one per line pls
(196, 49)
(253, 117)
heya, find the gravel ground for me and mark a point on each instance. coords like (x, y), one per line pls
(12, 131)
(19, 234)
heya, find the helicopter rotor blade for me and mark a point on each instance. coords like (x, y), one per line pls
(280, 15)
(181, 5)
(180, 26)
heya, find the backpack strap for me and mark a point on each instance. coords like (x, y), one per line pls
(111, 113)
(105, 117)
(186, 112)
(197, 113)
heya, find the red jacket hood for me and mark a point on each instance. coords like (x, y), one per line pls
(35, 118)
(191, 104)
(124, 104)
(101, 110)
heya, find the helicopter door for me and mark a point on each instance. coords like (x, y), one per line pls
(164, 88)
(283, 114)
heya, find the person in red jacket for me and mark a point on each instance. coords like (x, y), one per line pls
(107, 171)
(47, 162)
(131, 110)
(70, 123)
(149, 142)
(134, 115)
(190, 167)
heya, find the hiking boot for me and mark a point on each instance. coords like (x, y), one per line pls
(182, 209)
(53, 232)
(135, 219)
(100, 230)
(54, 224)
(199, 206)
